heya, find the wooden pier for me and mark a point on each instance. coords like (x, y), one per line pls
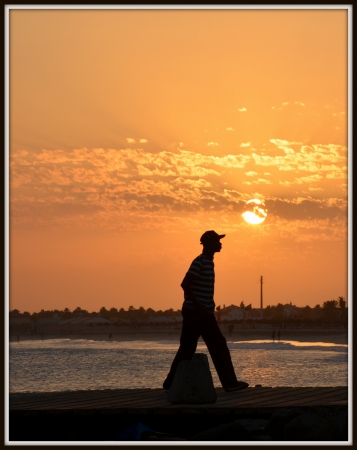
(115, 409)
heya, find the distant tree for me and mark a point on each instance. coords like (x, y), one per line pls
(306, 312)
(248, 307)
(343, 310)
(122, 313)
(132, 313)
(330, 309)
(330, 304)
(113, 311)
(150, 312)
(103, 312)
(15, 311)
(242, 305)
(342, 302)
(268, 312)
(66, 313)
(44, 313)
(26, 314)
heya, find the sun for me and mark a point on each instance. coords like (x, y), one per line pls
(254, 212)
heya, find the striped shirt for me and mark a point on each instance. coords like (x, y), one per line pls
(202, 268)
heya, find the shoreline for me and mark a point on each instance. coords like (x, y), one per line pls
(334, 336)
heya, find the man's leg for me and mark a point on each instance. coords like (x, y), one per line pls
(217, 347)
(188, 344)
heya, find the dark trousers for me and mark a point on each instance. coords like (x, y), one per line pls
(195, 325)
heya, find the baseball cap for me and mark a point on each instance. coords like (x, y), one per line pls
(209, 236)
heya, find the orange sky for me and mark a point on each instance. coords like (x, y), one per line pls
(133, 132)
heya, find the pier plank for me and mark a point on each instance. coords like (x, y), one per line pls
(147, 401)
(32, 399)
(98, 402)
(82, 397)
(322, 400)
(275, 394)
(298, 397)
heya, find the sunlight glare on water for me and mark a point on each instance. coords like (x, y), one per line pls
(75, 364)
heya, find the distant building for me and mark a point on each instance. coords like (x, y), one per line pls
(291, 311)
(164, 319)
(19, 320)
(85, 321)
(232, 312)
(255, 313)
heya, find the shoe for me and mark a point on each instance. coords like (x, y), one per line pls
(237, 386)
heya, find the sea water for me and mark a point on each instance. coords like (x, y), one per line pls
(75, 364)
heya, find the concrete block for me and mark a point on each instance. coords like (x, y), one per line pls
(193, 383)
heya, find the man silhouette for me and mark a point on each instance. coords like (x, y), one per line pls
(199, 319)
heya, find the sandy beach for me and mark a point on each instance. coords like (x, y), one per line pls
(335, 336)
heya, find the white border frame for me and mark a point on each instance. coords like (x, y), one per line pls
(347, 7)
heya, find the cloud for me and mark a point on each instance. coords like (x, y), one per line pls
(338, 174)
(116, 187)
(309, 179)
(144, 171)
(307, 209)
(251, 173)
(229, 129)
(192, 183)
(93, 178)
(242, 109)
(246, 144)
(98, 166)
(212, 144)
(283, 142)
(315, 158)
(130, 140)
(287, 150)
(258, 181)
(262, 180)
(143, 141)
(301, 180)
(284, 104)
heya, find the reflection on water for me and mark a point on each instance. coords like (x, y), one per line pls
(72, 364)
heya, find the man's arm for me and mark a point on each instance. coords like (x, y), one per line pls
(186, 286)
